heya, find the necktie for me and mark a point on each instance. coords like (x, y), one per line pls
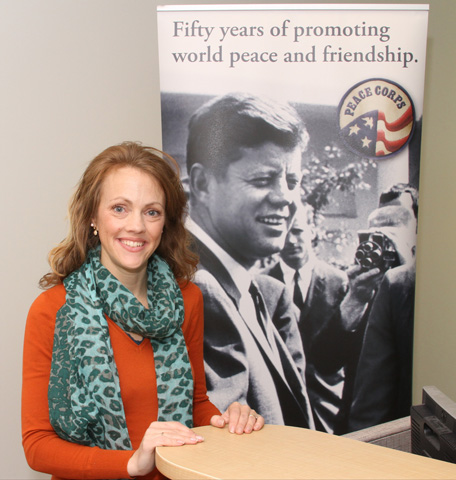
(297, 293)
(261, 313)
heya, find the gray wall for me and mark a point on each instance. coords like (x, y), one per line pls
(77, 76)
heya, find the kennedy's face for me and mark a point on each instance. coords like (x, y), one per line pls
(252, 206)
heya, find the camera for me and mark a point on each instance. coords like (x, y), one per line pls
(375, 250)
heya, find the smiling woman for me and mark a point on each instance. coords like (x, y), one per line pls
(130, 220)
(119, 296)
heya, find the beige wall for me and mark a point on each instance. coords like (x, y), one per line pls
(78, 76)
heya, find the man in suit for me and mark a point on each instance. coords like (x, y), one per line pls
(383, 387)
(244, 166)
(383, 382)
(318, 290)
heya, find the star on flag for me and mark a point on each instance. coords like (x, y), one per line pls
(372, 135)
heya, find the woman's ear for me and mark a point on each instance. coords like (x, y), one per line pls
(94, 226)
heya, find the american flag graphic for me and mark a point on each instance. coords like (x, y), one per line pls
(374, 135)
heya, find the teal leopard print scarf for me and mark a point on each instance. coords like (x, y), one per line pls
(85, 403)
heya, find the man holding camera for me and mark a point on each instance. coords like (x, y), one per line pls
(383, 385)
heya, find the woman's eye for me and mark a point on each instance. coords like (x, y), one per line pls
(119, 209)
(152, 213)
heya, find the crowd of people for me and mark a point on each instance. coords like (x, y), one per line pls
(153, 322)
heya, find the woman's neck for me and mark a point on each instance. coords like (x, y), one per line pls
(137, 284)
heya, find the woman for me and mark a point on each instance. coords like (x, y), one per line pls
(113, 351)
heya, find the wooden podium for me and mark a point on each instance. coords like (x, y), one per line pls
(278, 452)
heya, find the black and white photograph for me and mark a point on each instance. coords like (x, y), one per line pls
(303, 209)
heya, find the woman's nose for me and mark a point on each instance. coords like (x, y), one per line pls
(135, 222)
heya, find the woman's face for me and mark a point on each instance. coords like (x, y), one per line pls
(130, 220)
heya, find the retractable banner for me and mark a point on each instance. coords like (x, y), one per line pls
(297, 129)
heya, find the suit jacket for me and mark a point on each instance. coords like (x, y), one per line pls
(383, 386)
(320, 316)
(324, 341)
(238, 358)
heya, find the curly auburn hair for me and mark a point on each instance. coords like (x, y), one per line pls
(71, 253)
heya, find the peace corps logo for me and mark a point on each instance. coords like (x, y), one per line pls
(376, 118)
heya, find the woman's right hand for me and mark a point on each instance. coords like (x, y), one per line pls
(171, 434)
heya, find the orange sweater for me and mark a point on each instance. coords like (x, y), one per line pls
(44, 449)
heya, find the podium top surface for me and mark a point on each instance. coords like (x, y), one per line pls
(280, 452)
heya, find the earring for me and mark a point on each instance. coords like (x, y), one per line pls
(95, 231)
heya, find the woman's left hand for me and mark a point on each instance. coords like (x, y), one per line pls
(239, 418)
